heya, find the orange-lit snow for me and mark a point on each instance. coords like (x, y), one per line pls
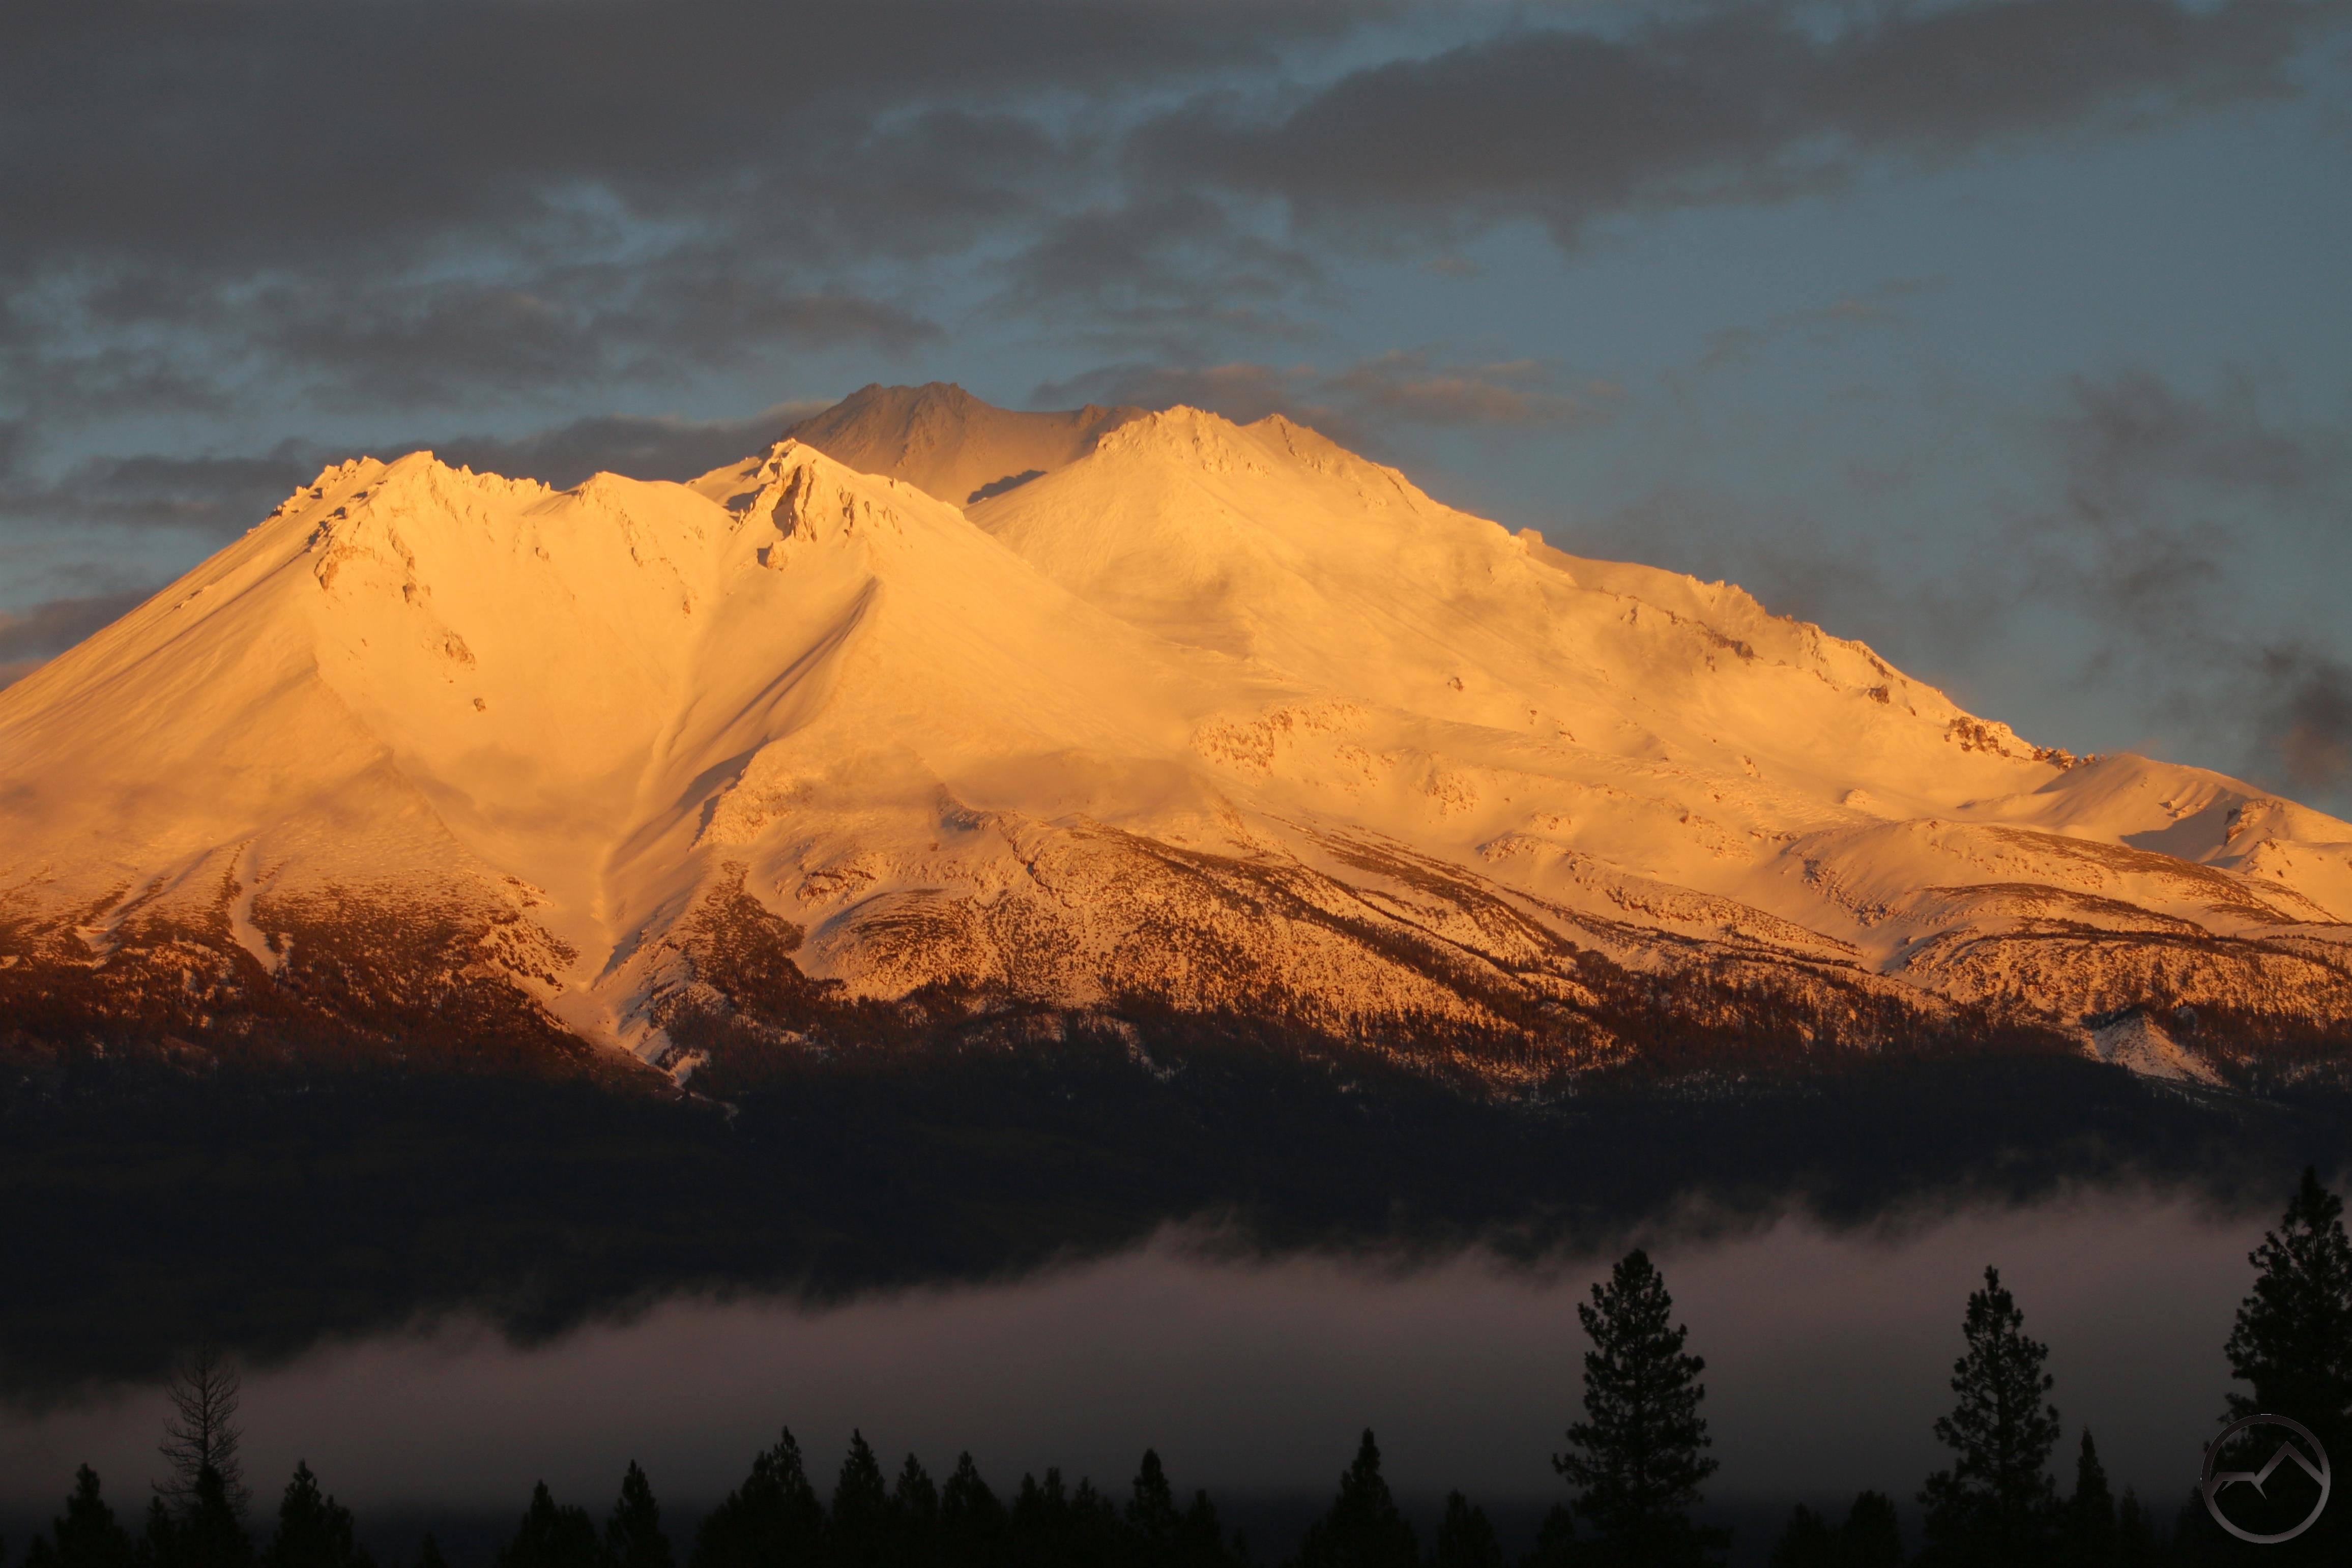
(871, 703)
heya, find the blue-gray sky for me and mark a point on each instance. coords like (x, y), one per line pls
(2009, 335)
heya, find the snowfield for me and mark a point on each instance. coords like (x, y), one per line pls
(1078, 709)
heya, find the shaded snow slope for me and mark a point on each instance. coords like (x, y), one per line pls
(1204, 717)
(947, 443)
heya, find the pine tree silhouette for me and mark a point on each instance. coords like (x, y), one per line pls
(2292, 1345)
(1200, 1538)
(207, 1533)
(158, 1545)
(772, 1521)
(1871, 1536)
(973, 1523)
(87, 1535)
(1637, 1458)
(1556, 1543)
(2293, 1339)
(633, 1534)
(1465, 1538)
(428, 1555)
(858, 1526)
(1995, 1507)
(1098, 1533)
(1363, 1528)
(202, 1432)
(313, 1529)
(914, 1516)
(2136, 1545)
(1807, 1542)
(2088, 1531)
(1040, 1531)
(550, 1537)
(1151, 1517)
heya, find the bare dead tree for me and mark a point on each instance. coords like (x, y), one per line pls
(202, 1432)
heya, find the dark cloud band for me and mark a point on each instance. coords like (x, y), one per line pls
(1746, 103)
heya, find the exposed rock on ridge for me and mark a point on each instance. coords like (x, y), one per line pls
(1201, 717)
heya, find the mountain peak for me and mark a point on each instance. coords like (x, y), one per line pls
(1078, 706)
(944, 441)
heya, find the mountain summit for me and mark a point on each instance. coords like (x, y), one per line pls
(939, 716)
(944, 441)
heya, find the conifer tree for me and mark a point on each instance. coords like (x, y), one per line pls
(1200, 1538)
(633, 1534)
(202, 1432)
(971, 1521)
(1151, 1515)
(2292, 1343)
(1994, 1508)
(1363, 1528)
(313, 1529)
(914, 1516)
(1098, 1534)
(1556, 1544)
(1637, 1460)
(208, 1533)
(550, 1537)
(2136, 1545)
(1871, 1536)
(1807, 1542)
(858, 1526)
(1465, 1538)
(1040, 1521)
(2088, 1529)
(2292, 1346)
(428, 1555)
(158, 1545)
(87, 1535)
(772, 1521)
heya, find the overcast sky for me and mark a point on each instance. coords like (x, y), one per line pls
(2010, 336)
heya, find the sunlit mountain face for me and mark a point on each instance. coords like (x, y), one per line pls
(1464, 680)
(931, 715)
(1004, 835)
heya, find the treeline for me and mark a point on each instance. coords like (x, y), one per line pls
(268, 1212)
(776, 1518)
(1635, 1465)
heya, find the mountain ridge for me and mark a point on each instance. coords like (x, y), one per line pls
(1198, 716)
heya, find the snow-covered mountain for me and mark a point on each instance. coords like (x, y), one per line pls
(933, 709)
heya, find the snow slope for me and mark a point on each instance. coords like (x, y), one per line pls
(1204, 717)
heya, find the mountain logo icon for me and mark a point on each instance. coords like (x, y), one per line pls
(2309, 1456)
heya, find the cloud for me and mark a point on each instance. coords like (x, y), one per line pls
(210, 494)
(29, 637)
(448, 202)
(237, 204)
(2162, 493)
(2308, 714)
(2132, 433)
(1241, 390)
(1749, 103)
(1162, 272)
(2195, 533)
(1412, 388)
(457, 344)
(1367, 404)
(247, 134)
(639, 447)
(218, 494)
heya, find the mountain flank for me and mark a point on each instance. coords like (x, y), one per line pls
(937, 722)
